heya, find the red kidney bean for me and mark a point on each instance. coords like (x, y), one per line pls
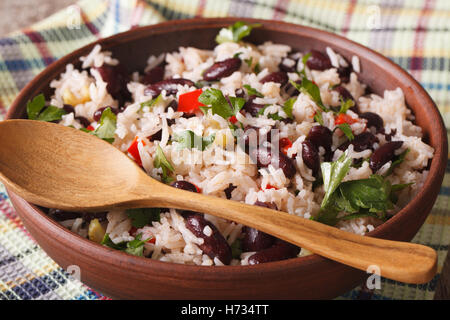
(253, 108)
(229, 190)
(215, 245)
(83, 121)
(60, 215)
(388, 136)
(240, 93)
(116, 79)
(255, 240)
(362, 141)
(264, 156)
(290, 90)
(383, 154)
(68, 108)
(321, 136)
(154, 75)
(88, 216)
(185, 186)
(170, 85)
(222, 69)
(277, 77)
(344, 73)
(318, 61)
(310, 156)
(156, 136)
(98, 114)
(252, 135)
(373, 120)
(280, 250)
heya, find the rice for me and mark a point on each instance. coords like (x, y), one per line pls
(221, 165)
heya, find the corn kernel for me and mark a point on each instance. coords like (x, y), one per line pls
(96, 231)
(70, 98)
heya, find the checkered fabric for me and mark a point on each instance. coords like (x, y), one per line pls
(414, 33)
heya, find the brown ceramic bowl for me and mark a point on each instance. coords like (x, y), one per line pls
(120, 275)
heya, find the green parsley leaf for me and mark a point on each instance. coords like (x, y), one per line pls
(237, 54)
(236, 249)
(257, 68)
(143, 216)
(152, 102)
(372, 194)
(134, 247)
(397, 162)
(107, 127)
(188, 139)
(162, 162)
(252, 91)
(304, 59)
(36, 110)
(345, 128)
(219, 104)
(312, 90)
(35, 106)
(236, 32)
(288, 107)
(333, 173)
(249, 62)
(51, 113)
(318, 118)
(345, 105)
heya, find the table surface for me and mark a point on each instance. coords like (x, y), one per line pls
(16, 15)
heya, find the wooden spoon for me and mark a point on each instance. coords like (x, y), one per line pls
(59, 167)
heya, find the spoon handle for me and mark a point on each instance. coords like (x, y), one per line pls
(401, 261)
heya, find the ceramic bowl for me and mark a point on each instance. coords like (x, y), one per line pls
(120, 275)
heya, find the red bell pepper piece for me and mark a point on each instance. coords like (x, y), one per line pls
(188, 102)
(285, 144)
(344, 118)
(233, 119)
(90, 128)
(134, 151)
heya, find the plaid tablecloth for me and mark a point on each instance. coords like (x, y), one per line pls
(413, 33)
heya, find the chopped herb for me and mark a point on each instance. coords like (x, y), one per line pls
(107, 127)
(249, 62)
(304, 59)
(345, 105)
(308, 87)
(36, 111)
(288, 107)
(397, 162)
(219, 104)
(361, 198)
(152, 102)
(345, 128)
(253, 92)
(236, 55)
(188, 139)
(236, 32)
(257, 68)
(318, 117)
(162, 162)
(143, 216)
(134, 247)
(236, 249)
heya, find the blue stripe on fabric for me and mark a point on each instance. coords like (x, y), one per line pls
(444, 191)
(117, 16)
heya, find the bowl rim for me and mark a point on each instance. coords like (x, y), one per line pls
(179, 271)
